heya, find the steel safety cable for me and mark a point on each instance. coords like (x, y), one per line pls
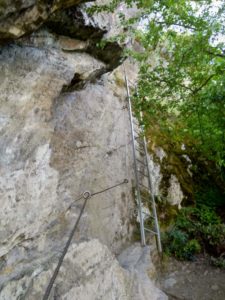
(127, 139)
(74, 201)
(112, 187)
(86, 195)
(51, 283)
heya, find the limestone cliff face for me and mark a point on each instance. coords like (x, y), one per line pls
(21, 17)
(64, 129)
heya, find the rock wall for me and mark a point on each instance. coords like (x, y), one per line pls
(18, 18)
(166, 179)
(171, 170)
(64, 130)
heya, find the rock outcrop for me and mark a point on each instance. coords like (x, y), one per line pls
(90, 272)
(18, 18)
(64, 130)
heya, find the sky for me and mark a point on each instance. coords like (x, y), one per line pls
(216, 4)
(220, 38)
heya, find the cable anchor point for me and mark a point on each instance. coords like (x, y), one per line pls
(86, 194)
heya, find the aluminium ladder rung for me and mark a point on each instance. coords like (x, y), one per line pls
(139, 144)
(147, 199)
(133, 114)
(140, 150)
(149, 230)
(139, 138)
(137, 132)
(143, 174)
(141, 167)
(138, 135)
(139, 141)
(141, 162)
(131, 83)
(137, 127)
(135, 122)
(149, 215)
(147, 188)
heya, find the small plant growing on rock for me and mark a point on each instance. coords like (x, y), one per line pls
(195, 229)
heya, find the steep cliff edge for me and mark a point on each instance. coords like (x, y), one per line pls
(64, 129)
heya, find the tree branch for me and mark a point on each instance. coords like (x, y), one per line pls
(216, 54)
(195, 91)
(176, 24)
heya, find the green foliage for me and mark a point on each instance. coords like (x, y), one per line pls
(181, 85)
(181, 91)
(213, 236)
(178, 244)
(186, 98)
(209, 196)
(218, 262)
(195, 229)
(110, 7)
(192, 247)
(193, 217)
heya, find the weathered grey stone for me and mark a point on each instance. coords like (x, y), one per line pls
(169, 283)
(109, 22)
(21, 17)
(11, 6)
(175, 194)
(54, 146)
(56, 142)
(76, 23)
(137, 261)
(89, 272)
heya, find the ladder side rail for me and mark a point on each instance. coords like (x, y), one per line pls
(143, 241)
(158, 237)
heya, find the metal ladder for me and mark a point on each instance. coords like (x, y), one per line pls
(143, 182)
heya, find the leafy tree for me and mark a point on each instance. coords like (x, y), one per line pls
(182, 90)
(182, 65)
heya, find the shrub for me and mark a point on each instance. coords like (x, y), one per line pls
(218, 262)
(193, 247)
(195, 229)
(177, 244)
